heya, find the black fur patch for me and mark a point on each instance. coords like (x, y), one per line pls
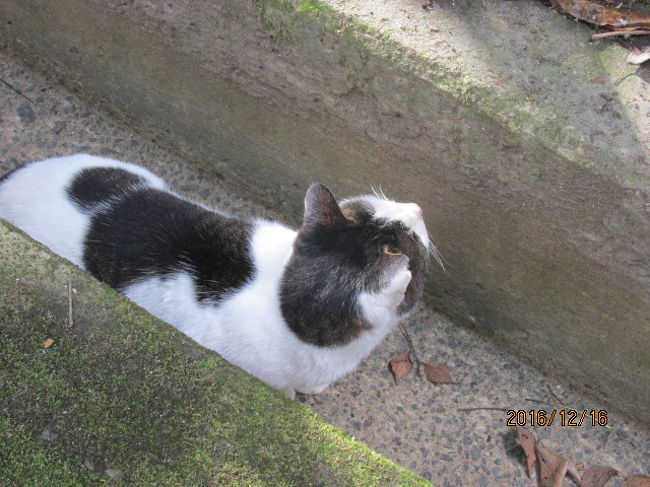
(331, 265)
(398, 235)
(358, 211)
(149, 232)
(99, 184)
(320, 286)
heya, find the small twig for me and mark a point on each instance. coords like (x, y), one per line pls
(554, 395)
(70, 321)
(602, 35)
(12, 87)
(484, 409)
(407, 337)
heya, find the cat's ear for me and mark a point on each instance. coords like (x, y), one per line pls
(321, 208)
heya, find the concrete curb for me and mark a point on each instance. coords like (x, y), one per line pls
(527, 149)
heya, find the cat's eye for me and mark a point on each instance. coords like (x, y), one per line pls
(391, 250)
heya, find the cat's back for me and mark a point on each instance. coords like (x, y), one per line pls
(38, 198)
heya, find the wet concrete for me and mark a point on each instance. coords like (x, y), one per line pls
(415, 423)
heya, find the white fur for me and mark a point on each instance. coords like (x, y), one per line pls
(409, 214)
(246, 327)
(34, 200)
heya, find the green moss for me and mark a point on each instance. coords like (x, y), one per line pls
(122, 390)
(26, 462)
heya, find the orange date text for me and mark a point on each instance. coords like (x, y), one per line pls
(563, 417)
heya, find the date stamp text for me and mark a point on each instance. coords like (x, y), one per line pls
(563, 417)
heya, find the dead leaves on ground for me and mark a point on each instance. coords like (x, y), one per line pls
(638, 56)
(637, 481)
(553, 467)
(527, 441)
(48, 343)
(620, 21)
(437, 373)
(598, 476)
(402, 364)
(610, 17)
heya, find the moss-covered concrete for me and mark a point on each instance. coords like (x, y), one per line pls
(525, 145)
(123, 399)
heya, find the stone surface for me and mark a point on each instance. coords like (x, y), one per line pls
(414, 423)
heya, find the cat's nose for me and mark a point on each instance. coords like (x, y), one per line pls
(418, 211)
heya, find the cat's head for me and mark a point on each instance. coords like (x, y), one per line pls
(364, 246)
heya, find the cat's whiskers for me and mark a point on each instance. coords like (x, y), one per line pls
(437, 256)
(379, 194)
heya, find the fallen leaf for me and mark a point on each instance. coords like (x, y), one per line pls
(400, 366)
(572, 471)
(558, 481)
(553, 466)
(599, 80)
(637, 481)
(48, 343)
(597, 14)
(527, 441)
(598, 476)
(638, 56)
(437, 373)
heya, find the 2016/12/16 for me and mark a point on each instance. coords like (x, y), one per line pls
(568, 417)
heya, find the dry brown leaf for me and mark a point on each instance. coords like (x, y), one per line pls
(558, 481)
(400, 365)
(527, 441)
(48, 343)
(613, 18)
(638, 56)
(572, 471)
(437, 373)
(637, 481)
(553, 466)
(598, 476)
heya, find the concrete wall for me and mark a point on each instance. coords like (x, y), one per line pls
(526, 146)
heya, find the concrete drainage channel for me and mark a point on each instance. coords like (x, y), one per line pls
(536, 190)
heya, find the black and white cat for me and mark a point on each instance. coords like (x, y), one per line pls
(298, 309)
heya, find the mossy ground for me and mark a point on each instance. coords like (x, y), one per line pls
(120, 390)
